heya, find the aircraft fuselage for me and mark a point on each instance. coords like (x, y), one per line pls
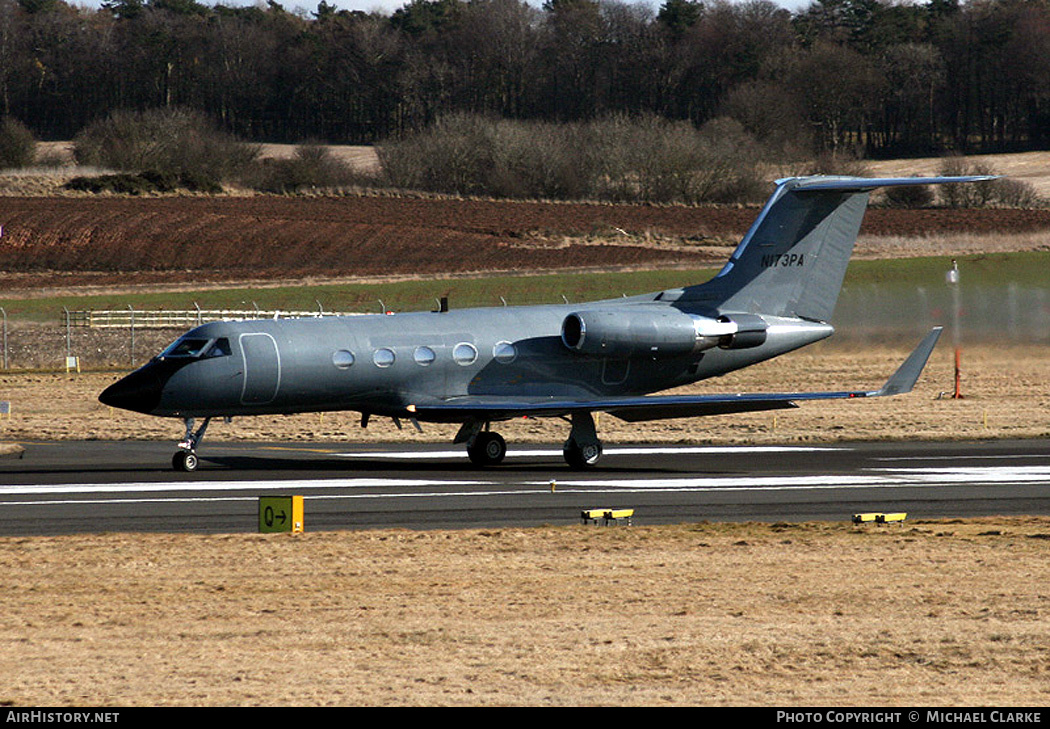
(384, 364)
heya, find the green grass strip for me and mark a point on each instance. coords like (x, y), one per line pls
(986, 270)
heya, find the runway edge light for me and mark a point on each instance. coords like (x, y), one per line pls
(281, 514)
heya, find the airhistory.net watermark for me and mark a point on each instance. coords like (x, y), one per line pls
(36, 716)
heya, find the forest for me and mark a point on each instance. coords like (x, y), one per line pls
(869, 77)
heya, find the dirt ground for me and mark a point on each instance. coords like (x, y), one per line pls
(948, 613)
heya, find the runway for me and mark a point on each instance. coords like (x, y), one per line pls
(95, 486)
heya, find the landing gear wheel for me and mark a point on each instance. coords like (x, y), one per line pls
(582, 456)
(488, 449)
(184, 461)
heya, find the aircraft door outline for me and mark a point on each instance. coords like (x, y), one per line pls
(262, 368)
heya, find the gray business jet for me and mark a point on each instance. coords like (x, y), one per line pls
(479, 366)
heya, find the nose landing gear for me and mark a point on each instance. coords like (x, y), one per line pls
(185, 459)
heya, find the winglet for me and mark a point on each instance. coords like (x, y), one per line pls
(904, 379)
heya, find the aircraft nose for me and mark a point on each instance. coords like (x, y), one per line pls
(140, 391)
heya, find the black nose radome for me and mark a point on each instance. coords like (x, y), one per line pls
(139, 391)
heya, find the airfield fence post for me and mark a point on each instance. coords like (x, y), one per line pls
(132, 325)
(68, 334)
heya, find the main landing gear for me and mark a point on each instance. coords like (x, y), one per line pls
(583, 448)
(185, 459)
(487, 449)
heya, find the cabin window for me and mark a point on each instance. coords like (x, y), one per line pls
(464, 354)
(504, 352)
(342, 358)
(424, 356)
(383, 357)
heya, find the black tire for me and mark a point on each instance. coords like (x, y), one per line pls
(579, 457)
(488, 449)
(184, 461)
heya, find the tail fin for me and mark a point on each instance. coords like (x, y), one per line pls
(792, 261)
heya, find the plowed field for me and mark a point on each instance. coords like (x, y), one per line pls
(110, 240)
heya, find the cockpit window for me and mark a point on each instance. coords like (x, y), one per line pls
(220, 348)
(186, 348)
(193, 347)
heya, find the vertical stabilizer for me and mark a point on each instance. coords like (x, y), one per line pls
(794, 257)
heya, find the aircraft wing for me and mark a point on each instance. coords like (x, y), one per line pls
(656, 407)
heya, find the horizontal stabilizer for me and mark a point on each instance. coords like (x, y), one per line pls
(904, 379)
(637, 409)
(867, 184)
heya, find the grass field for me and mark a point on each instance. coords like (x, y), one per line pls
(1025, 268)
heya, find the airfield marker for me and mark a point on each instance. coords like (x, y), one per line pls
(953, 281)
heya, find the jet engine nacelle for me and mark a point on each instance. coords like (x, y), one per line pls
(663, 331)
(750, 331)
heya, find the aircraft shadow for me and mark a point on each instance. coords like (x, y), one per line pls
(366, 465)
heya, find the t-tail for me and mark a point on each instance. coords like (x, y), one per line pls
(792, 261)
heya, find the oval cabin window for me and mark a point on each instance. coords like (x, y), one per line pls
(424, 356)
(464, 353)
(342, 358)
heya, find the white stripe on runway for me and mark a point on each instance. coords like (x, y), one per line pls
(290, 485)
(432, 488)
(613, 451)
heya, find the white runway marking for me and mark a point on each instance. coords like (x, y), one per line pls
(975, 474)
(612, 451)
(290, 485)
(596, 482)
(1006, 457)
(387, 488)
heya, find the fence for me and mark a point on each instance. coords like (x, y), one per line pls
(128, 318)
(878, 313)
(113, 338)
